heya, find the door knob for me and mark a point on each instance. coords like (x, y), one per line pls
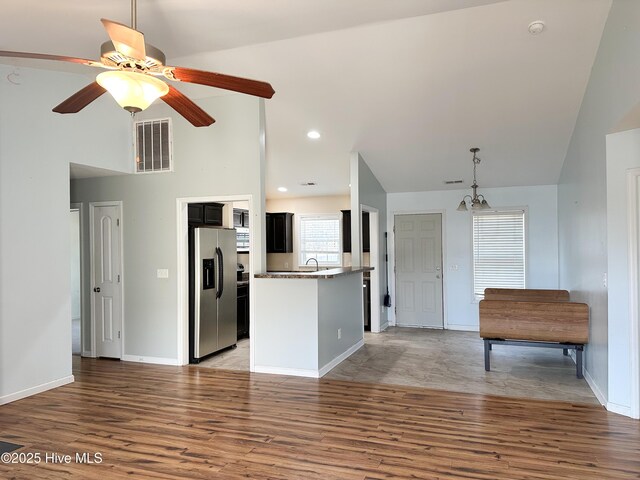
(96, 289)
(437, 269)
(437, 276)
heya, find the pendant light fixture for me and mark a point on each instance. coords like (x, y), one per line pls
(477, 202)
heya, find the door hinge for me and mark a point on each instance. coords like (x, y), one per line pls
(118, 333)
(118, 278)
(117, 222)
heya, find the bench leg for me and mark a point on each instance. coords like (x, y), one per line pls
(487, 357)
(565, 351)
(579, 362)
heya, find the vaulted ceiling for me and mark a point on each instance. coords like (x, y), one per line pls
(410, 84)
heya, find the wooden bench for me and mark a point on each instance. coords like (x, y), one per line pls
(533, 318)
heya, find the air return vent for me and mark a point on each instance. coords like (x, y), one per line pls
(453, 182)
(153, 146)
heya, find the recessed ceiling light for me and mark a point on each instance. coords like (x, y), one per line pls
(282, 189)
(536, 27)
(313, 134)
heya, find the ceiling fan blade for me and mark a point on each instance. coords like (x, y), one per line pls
(80, 99)
(44, 56)
(185, 107)
(125, 39)
(219, 80)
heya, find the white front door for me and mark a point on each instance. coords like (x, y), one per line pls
(107, 281)
(418, 242)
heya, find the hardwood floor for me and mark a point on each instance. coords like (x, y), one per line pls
(186, 422)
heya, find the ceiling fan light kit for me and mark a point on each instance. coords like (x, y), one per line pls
(133, 91)
(132, 77)
(476, 202)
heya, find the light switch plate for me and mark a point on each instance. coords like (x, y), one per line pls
(163, 273)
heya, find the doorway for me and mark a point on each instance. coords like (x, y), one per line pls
(418, 268)
(106, 278)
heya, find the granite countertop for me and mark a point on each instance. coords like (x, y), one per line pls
(331, 273)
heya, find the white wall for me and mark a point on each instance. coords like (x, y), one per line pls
(623, 153)
(582, 194)
(461, 311)
(298, 206)
(221, 160)
(367, 190)
(36, 147)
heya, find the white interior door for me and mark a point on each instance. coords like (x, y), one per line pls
(418, 244)
(107, 284)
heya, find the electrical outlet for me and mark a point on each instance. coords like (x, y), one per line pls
(339, 333)
(163, 273)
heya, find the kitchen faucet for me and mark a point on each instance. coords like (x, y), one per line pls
(315, 260)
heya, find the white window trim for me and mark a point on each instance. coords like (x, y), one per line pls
(298, 240)
(525, 210)
(134, 125)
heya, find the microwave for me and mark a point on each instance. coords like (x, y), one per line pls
(242, 239)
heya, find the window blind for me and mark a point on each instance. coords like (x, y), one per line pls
(320, 239)
(498, 250)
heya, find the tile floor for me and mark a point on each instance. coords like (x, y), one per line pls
(447, 360)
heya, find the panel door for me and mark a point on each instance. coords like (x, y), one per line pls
(107, 286)
(418, 249)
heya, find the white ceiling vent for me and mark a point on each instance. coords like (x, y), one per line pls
(453, 182)
(153, 144)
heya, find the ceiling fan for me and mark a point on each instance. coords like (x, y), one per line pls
(133, 68)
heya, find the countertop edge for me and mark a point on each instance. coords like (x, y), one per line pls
(322, 274)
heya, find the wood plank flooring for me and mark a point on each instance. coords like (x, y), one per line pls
(160, 422)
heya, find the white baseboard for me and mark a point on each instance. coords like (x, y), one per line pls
(343, 356)
(12, 397)
(296, 372)
(300, 372)
(384, 326)
(87, 353)
(463, 328)
(594, 388)
(619, 409)
(154, 360)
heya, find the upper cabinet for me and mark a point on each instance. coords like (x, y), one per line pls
(205, 214)
(346, 232)
(280, 232)
(240, 218)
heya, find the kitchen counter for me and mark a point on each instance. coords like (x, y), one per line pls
(307, 328)
(331, 273)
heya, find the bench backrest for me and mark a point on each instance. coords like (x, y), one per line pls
(526, 295)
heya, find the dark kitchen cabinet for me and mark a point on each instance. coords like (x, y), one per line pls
(346, 232)
(243, 311)
(240, 218)
(205, 214)
(280, 232)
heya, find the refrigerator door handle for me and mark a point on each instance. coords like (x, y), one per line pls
(220, 272)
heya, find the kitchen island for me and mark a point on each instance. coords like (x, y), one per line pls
(307, 322)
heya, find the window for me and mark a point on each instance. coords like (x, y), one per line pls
(498, 250)
(153, 146)
(320, 239)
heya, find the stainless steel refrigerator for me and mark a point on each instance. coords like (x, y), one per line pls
(212, 291)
